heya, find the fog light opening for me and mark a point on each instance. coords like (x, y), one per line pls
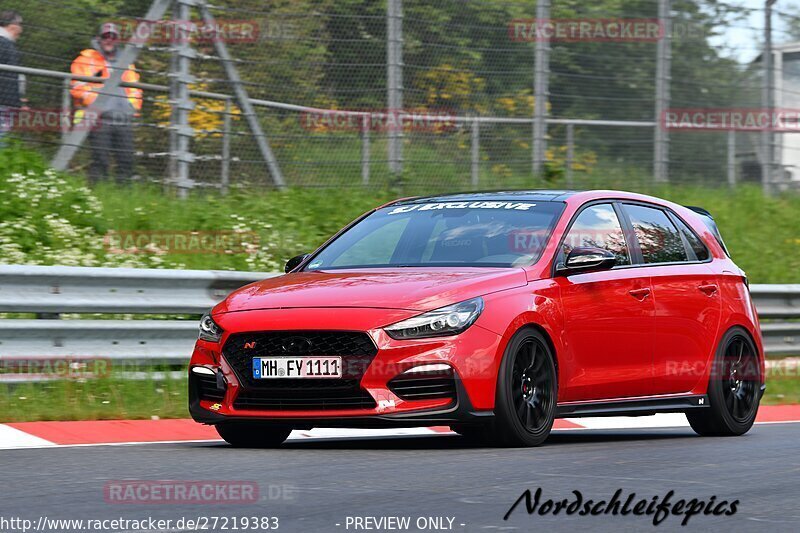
(430, 381)
(435, 368)
(203, 371)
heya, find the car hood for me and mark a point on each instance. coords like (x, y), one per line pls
(418, 289)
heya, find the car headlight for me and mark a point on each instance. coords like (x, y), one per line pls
(450, 320)
(209, 330)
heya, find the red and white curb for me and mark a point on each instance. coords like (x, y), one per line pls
(118, 432)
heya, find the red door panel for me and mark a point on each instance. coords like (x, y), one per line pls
(608, 331)
(688, 306)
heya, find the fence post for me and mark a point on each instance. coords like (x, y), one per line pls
(243, 100)
(66, 110)
(663, 66)
(394, 81)
(475, 154)
(731, 158)
(767, 136)
(365, 149)
(570, 153)
(184, 129)
(172, 164)
(225, 171)
(540, 91)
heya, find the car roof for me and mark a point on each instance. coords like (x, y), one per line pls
(541, 195)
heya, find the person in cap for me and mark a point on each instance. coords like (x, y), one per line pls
(12, 85)
(111, 129)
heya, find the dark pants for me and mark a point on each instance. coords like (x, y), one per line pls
(111, 138)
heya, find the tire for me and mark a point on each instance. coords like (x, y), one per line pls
(733, 389)
(252, 434)
(527, 390)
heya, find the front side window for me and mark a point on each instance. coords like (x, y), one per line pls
(447, 233)
(658, 237)
(597, 226)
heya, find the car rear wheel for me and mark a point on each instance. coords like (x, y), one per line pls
(733, 389)
(527, 389)
(252, 434)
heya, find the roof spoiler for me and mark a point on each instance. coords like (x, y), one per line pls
(699, 210)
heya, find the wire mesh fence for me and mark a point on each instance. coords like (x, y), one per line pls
(425, 95)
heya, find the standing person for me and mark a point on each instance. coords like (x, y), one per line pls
(12, 85)
(113, 132)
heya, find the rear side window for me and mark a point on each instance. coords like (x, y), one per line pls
(658, 237)
(712, 226)
(700, 250)
(597, 226)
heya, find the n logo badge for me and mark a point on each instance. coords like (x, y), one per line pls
(250, 345)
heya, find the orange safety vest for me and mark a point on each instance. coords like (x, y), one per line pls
(92, 63)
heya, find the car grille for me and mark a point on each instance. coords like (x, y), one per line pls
(424, 386)
(356, 349)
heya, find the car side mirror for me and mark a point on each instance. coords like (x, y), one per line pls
(294, 262)
(586, 259)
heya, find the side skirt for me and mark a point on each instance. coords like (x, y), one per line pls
(633, 407)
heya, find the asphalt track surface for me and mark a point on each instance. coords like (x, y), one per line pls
(315, 485)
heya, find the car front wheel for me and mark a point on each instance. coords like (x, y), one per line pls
(527, 389)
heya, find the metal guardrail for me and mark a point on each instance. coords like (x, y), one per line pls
(59, 289)
(775, 305)
(50, 291)
(781, 339)
(777, 301)
(141, 340)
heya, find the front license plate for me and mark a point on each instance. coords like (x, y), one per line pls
(297, 367)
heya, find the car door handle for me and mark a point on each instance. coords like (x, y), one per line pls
(640, 294)
(709, 289)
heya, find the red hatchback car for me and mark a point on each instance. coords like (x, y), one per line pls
(492, 313)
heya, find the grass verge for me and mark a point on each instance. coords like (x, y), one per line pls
(109, 398)
(782, 390)
(50, 218)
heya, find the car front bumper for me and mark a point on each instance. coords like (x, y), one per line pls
(473, 357)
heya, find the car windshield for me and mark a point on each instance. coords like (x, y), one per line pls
(448, 233)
